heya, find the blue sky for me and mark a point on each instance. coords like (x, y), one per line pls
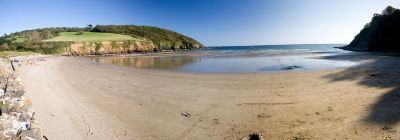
(212, 22)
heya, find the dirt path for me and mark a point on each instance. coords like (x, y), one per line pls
(78, 99)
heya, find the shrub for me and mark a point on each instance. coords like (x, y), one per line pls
(79, 33)
(155, 50)
(98, 46)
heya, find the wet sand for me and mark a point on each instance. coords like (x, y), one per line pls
(76, 98)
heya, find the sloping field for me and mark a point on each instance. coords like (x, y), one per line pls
(89, 37)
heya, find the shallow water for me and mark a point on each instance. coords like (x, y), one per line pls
(238, 59)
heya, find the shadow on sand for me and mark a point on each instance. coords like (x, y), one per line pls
(375, 70)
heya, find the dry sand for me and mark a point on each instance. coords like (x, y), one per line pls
(76, 98)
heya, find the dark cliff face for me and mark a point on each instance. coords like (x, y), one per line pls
(381, 34)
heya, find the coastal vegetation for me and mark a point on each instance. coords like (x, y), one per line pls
(381, 34)
(32, 40)
(58, 40)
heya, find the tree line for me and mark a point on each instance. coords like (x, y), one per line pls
(381, 34)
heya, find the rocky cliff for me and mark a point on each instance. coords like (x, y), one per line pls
(109, 47)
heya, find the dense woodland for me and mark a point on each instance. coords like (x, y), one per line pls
(381, 34)
(32, 40)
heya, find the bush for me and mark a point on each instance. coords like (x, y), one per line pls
(79, 33)
(98, 46)
(155, 50)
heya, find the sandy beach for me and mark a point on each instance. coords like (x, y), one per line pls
(75, 98)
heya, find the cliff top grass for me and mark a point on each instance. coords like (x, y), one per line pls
(89, 37)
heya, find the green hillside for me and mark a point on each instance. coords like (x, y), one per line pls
(55, 40)
(89, 37)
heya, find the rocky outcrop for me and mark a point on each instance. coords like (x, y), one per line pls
(16, 116)
(381, 34)
(109, 47)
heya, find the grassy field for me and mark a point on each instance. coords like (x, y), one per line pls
(89, 37)
(7, 54)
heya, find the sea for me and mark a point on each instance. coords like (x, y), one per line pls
(240, 59)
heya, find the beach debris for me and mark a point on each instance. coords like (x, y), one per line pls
(373, 75)
(254, 136)
(185, 114)
(262, 115)
(330, 108)
(291, 67)
(302, 136)
(386, 128)
(216, 121)
(389, 129)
